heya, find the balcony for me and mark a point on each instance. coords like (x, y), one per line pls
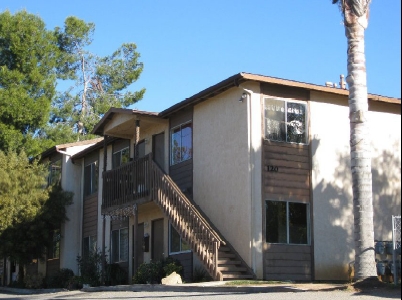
(127, 184)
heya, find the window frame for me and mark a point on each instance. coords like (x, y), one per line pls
(53, 251)
(172, 230)
(126, 152)
(286, 101)
(112, 256)
(308, 223)
(181, 127)
(94, 180)
(89, 242)
(55, 172)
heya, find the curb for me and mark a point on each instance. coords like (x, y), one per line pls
(194, 288)
(20, 291)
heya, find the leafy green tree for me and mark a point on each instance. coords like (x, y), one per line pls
(100, 82)
(29, 56)
(356, 13)
(29, 212)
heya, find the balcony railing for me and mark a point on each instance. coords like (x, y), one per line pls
(127, 183)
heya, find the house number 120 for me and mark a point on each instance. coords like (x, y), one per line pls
(272, 168)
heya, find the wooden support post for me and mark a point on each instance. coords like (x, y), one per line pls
(136, 139)
(103, 248)
(135, 239)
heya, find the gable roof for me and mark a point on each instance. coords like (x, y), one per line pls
(62, 147)
(98, 129)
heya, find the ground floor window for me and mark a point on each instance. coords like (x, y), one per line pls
(89, 245)
(119, 245)
(287, 222)
(176, 243)
(54, 246)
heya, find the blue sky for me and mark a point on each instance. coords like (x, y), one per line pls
(187, 46)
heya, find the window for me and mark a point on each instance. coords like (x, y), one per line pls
(119, 245)
(54, 247)
(54, 173)
(91, 178)
(89, 246)
(176, 243)
(287, 222)
(285, 121)
(121, 157)
(181, 147)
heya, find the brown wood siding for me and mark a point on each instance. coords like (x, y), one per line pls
(90, 221)
(186, 260)
(182, 173)
(31, 269)
(291, 182)
(183, 117)
(284, 91)
(287, 262)
(52, 267)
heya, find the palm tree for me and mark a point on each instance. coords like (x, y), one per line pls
(355, 14)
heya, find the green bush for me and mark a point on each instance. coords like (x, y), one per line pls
(91, 268)
(155, 271)
(115, 275)
(34, 281)
(60, 279)
(201, 275)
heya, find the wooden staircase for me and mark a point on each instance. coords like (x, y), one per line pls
(218, 256)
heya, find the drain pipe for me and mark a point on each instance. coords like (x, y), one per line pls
(247, 96)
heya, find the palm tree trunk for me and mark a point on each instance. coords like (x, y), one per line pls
(360, 153)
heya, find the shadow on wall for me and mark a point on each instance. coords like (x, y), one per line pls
(333, 210)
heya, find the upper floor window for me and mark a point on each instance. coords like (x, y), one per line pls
(91, 178)
(181, 147)
(287, 222)
(285, 121)
(54, 173)
(121, 157)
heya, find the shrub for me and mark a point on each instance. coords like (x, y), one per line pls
(115, 275)
(154, 271)
(201, 275)
(34, 281)
(60, 279)
(91, 268)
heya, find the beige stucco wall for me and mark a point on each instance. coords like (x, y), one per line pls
(222, 170)
(70, 244)
(332, 187)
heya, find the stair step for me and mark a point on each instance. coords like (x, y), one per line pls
(224, 249)
(232, 268)
(227, 255)
(228, 262)
(236, 276)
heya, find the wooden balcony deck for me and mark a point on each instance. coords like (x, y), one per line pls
(127, 184)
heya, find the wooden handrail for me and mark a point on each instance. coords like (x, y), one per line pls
(186, 219)
(144, 178)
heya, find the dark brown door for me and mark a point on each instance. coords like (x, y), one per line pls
(157, 240)
(139, 248)
(158, 149)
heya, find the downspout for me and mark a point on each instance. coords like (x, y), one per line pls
(251, 177)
